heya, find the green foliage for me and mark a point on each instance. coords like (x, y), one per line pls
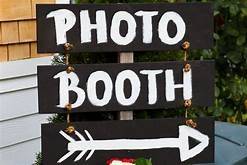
(230, 53)
(57, 118)
(38, 159)
(142, 161)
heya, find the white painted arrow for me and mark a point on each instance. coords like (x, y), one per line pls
(182, 142)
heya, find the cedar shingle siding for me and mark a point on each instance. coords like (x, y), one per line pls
(18, 29)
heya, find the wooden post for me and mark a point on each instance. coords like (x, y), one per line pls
(126, 57)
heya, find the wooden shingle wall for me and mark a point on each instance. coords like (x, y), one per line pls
(18, 29)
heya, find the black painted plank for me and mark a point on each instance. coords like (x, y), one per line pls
(202, 86)
(54, 145)
(197, 17)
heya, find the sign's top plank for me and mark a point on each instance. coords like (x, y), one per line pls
(116, 87)
(124, 27)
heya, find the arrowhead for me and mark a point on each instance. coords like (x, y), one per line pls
(184, 133)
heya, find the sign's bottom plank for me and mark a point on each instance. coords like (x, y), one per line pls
(165, 141)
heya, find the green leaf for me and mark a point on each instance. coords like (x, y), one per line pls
(234, 57)
(244, 116)
(241, 40)
(217, 112)
(244, 11)
(171, 1)
(234, 10)
(228, 111)
(232, 31)
(217, 91)
(216, 36)
(38, 159)
(142, 161)
(216, 13)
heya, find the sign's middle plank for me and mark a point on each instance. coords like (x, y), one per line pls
(124, 27)
(117, 87)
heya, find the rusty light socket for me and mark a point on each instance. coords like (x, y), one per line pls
(68, 46)
(187, 67)
(187, 103)
(68, 107)
(186, 45)
(191, 123)
(70, 129)
(70, 69)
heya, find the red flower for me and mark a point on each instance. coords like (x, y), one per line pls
(124, 160)
(128, 160)
(111, 160)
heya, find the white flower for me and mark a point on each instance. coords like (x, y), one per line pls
(118, 162)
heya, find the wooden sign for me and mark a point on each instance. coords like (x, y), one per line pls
(116, 87)
(124, 27)
(165, 141)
